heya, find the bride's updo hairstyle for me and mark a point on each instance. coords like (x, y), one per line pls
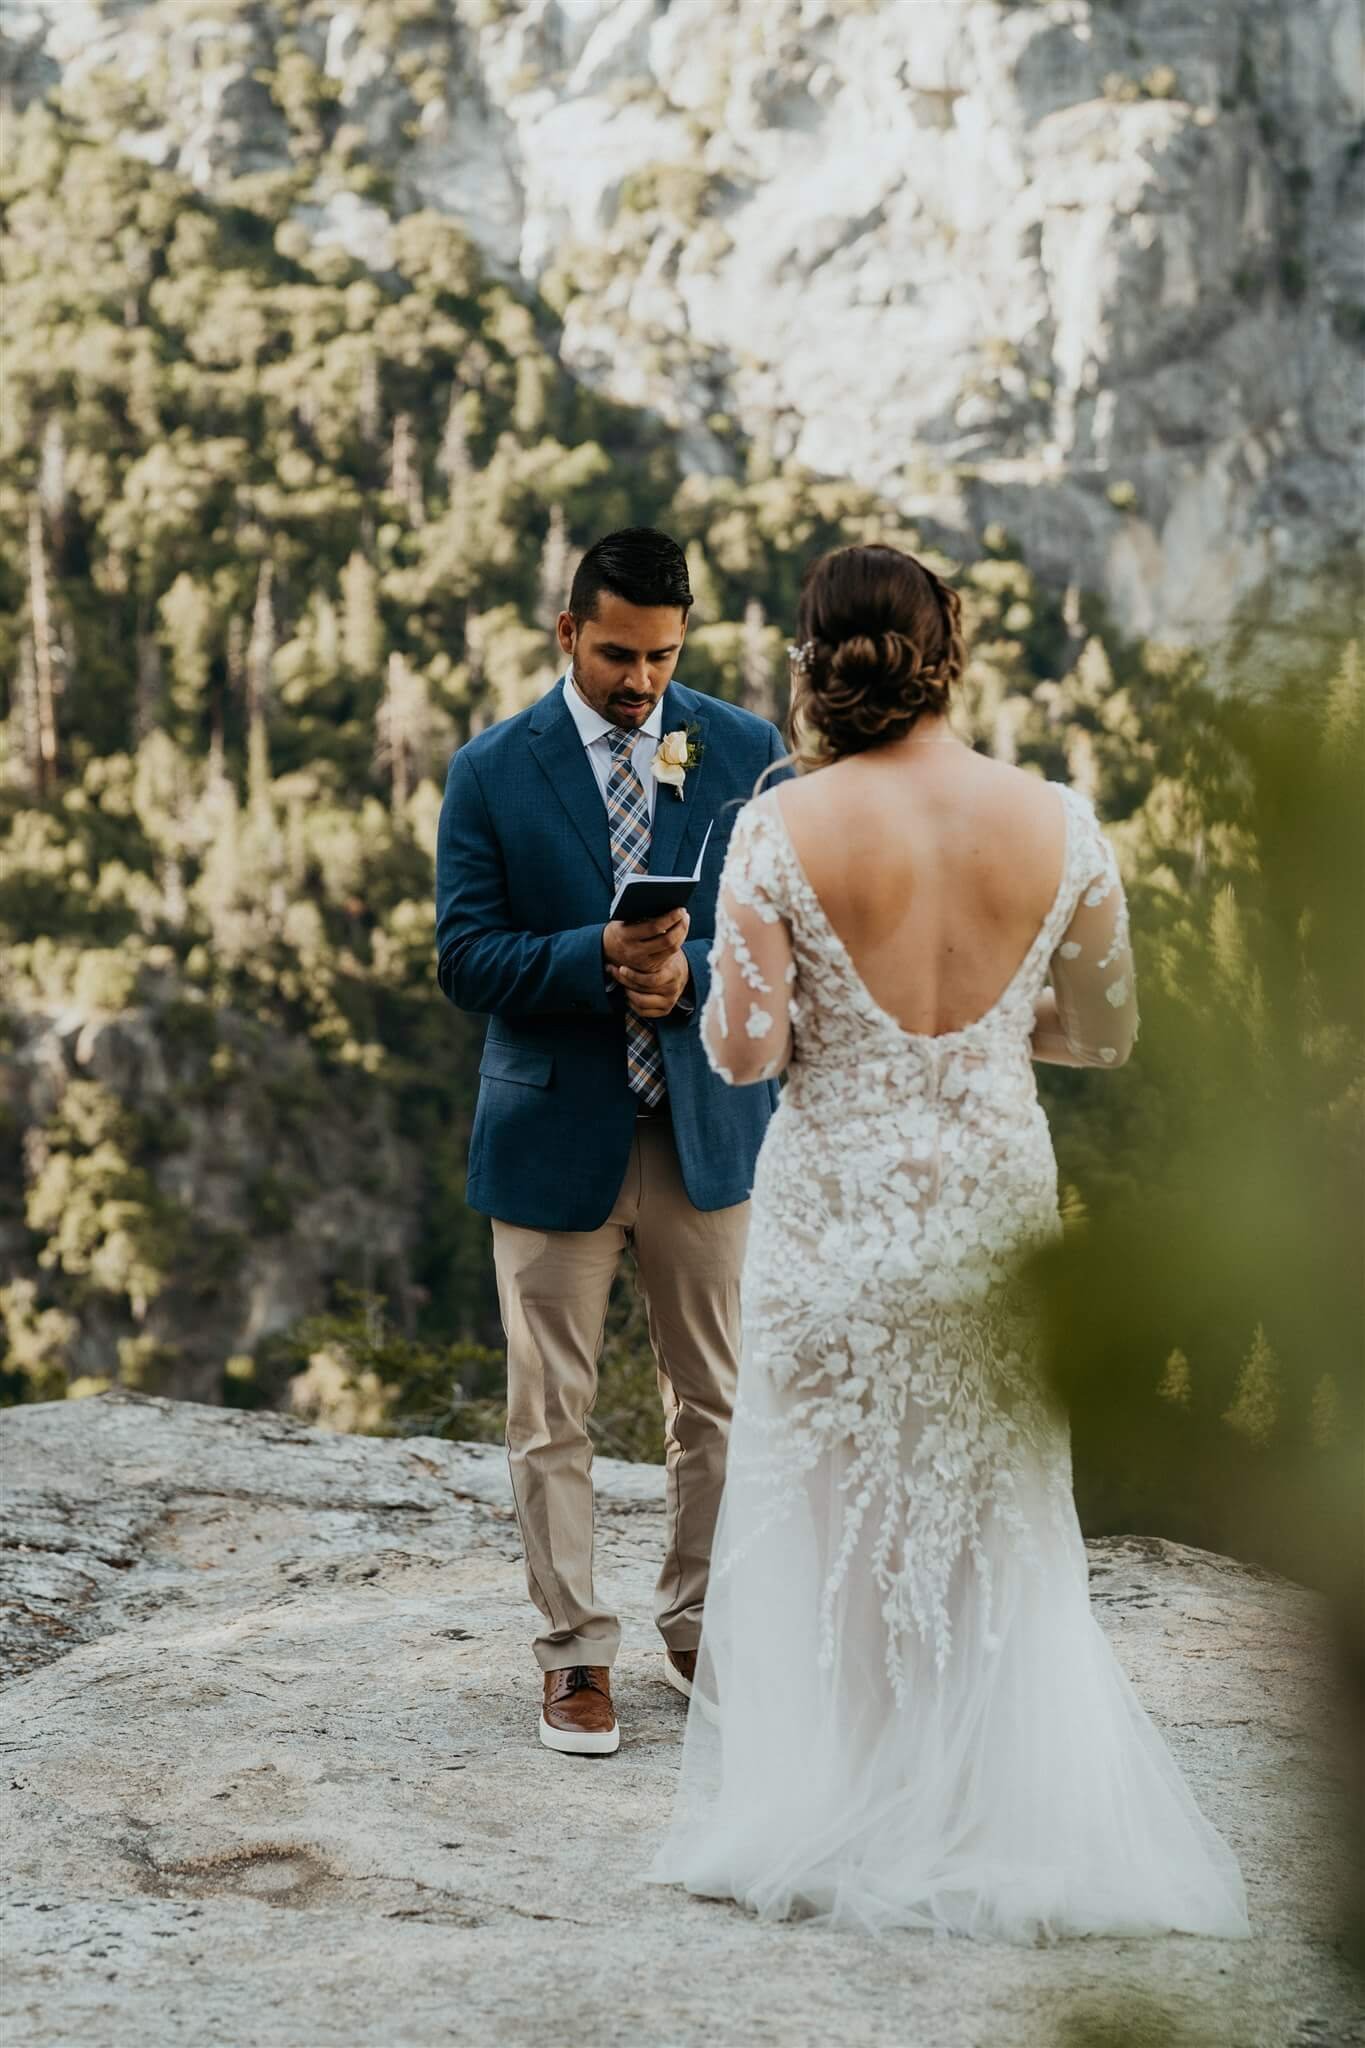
(880, 647)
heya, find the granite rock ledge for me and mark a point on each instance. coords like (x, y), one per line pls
(272, 1775)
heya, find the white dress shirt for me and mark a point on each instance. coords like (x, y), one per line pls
(593, 730)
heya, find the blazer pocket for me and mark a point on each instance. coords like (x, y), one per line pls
(517, 1063)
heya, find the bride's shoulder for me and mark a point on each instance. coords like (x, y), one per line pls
(1043, 793)
(759, 811)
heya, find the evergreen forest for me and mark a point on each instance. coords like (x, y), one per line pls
(277, 534)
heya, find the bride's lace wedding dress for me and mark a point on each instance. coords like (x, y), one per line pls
(905, 1714)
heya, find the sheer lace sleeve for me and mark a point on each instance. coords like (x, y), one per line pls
(1088, 1017)
(746, 1025)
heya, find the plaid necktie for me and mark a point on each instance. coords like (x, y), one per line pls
(628, 816)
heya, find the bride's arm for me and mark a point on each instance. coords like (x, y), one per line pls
(746, 1025)
(1088, 1017)
(1050, 1043)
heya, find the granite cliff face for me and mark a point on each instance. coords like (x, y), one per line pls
(272, 1769)
(270, 1177)
(1092, 269)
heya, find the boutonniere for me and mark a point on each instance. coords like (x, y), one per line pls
(677, 752)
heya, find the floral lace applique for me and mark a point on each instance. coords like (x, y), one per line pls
(889, 1355)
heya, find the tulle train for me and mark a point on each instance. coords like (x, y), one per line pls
(1018, 1792)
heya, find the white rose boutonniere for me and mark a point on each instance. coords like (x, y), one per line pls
(677, 753)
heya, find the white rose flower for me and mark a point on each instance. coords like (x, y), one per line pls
(670, 759)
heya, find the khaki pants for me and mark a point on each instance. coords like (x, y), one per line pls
(553, 1286)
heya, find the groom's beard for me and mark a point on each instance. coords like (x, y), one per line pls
(629, 711)
(625, 707)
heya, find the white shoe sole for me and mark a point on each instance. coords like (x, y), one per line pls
(580, 1745)
(675, 1678)
(705, 1707)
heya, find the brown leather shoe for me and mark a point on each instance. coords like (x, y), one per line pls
(680, 1669)
(578, 1718)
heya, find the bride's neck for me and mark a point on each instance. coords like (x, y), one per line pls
(924, 732)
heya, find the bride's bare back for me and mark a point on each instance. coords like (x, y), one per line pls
(936, 866)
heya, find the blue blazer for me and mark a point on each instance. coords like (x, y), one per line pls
(523, 889)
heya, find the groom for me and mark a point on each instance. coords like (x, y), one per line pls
(599, 1124)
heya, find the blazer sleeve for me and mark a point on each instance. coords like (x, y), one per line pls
(484, 963)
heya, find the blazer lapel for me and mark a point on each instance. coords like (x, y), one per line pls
(675, 819)
(560, 753)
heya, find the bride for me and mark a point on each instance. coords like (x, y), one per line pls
(904, 1713)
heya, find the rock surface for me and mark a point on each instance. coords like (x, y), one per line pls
(1091, 270)
(273, 1776)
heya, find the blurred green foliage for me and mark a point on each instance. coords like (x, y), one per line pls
(1207, 1317)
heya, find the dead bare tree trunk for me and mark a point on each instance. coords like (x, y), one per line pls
(24, 720)
(260, 658)
(40, 613)
(756, 666)
(147, 708)
(556, 566)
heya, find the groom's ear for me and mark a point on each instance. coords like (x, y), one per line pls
(566, 632)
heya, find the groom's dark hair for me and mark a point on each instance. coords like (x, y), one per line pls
(640, 564)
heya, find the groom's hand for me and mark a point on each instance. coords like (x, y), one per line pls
(646, 961)
(654, 994)
(647, 946)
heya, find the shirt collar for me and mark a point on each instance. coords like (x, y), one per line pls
(591, 724)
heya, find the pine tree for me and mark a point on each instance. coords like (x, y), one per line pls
(1082, 762)
(1242, 982)
(556, 566)
(1092, 680)
(360, 629)
(1341, 718)
(187, 622)
(234, 690)
(218, 890)
(704, 587)
(454, 461)
(1174, 1384)
(147, 700)
(402, 728)
(1325, 1422)
(1228, 941)
(369, 402)
(529, 408)
(236, 655)
(326, 633)
(1256, 1404)
(405, 469)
